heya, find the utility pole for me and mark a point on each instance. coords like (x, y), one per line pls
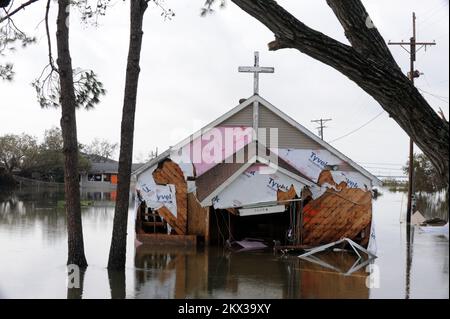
(321, 127)
(412, 74)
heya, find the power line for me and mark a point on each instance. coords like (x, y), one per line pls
(389, 164)
(426, 22)
(443, 81)
(442, 98)
(360, 107)
(355, 130)
(432, 14)
(425, 77)
(384, 168)
(443, 35)
(428, 14)
(391, 176)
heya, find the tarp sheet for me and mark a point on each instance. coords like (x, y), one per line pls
(372, 246)
(251, 244)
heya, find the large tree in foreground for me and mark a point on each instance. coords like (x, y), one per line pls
(367, 61)
(83, 92)
(117, 253)
(56, 87)
(69, 132)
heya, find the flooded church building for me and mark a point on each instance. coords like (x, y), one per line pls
(254, 177)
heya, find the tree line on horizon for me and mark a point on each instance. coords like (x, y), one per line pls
(23, 155)
(426, 178)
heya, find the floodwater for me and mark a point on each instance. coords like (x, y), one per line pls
(33, 255)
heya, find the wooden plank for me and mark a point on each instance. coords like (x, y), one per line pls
(197, 268)
(289, 195)
(169, 172)
(233, 211)
(337, 214)
(170, 219)
(180, 278)
(197, 217)
(153, 224)
(158, 240)
(208, 229)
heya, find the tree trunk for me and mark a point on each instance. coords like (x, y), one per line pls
(368, 62)
(117, 284)
(77, 293)
(117, 254)
(69, 132)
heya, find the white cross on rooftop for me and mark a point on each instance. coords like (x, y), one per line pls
(256, 70)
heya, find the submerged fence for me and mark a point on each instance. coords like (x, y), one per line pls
(28, 182)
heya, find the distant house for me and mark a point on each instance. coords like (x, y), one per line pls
(103, 173)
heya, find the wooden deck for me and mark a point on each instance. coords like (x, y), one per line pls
(167, 240)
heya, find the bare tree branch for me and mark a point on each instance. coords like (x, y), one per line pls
(291, 33)
(368, 63)
(22, 6)
(360, 29)
(49, 40)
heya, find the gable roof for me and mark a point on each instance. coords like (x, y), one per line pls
(191, 137)
(100, 164)
(319, 141)
(212, 182)
(279, 113)
(206, 201)
(108, 167)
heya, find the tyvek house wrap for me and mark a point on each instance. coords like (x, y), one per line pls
(254, 186)
(312, 162)
(156, 196)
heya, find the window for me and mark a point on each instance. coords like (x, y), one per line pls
(94, 177)
(107, 178)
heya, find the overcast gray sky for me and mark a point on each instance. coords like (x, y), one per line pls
(189, 75)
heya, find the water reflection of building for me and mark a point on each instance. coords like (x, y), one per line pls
(319, 282)
(181, 273)
(99, 196)
(170, 272)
